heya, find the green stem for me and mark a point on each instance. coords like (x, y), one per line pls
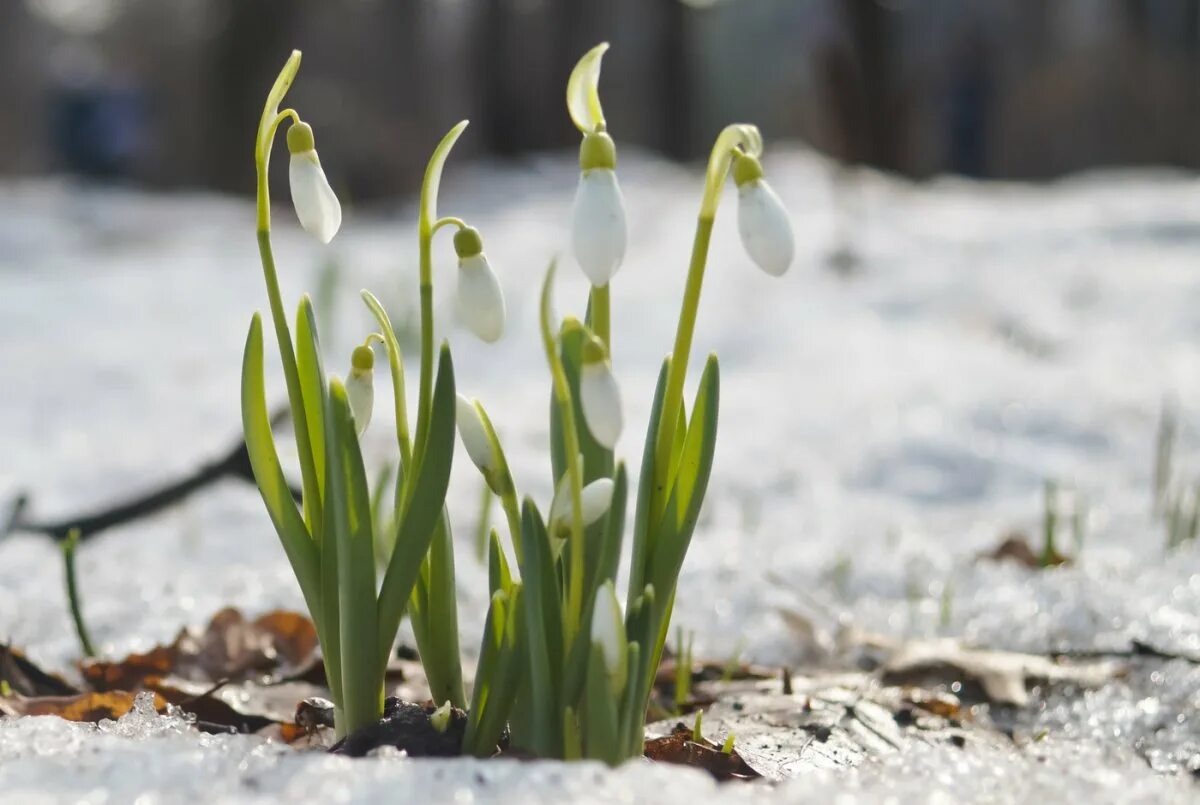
(677, 372)
(68, 549)
(601, 316)
(425, 389)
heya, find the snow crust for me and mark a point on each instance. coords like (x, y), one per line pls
(878, 431)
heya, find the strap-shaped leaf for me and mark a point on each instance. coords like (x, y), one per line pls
(493, 682)
(674, 531)
(440, 652)
(349, 497)
(630, 720)
(542, 621)
(645, 494)
(268, 474)
(583, 93)
(312, 387)
(396, 369)
(499, 575)
(601, 731)
(416, 523)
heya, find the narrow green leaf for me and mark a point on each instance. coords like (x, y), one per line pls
(646, 493)
(540, 604)
(268, 474)
(347, 495)
(631, 721)
(499, 575)
(440, 653)
(601, 731)
(312, 388)
(416, 524)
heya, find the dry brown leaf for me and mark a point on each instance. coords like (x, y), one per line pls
(85, 707)
(679, 748)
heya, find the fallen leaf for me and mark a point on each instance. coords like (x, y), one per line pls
(1015, 548)
(84, 707)
(679, 748)
(23, 676)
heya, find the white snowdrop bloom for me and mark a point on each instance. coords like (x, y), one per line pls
(360, 387)
(473, 434)
(317, 206)
(595, 499)
(763, 221)
(600, 397)
(598, 231)
(480, 300)
(608, 632)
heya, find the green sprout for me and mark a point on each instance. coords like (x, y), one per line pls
(68, 549)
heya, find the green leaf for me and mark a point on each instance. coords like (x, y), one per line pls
(583, 94)
(638, 562)
(601, 731)
(543, 619)
(348, 496)
(396, 369)
(499, 576)
(312, 388)
(416, 523)
(631, 721)
(439, 651)
(493, 694)
(268, 474)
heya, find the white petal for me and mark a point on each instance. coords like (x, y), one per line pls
(608, 632)
(765, 227)
(473, 434)
(317, 207)
(480, 300)
(360, 393)
(595, 498)
(600, 397)
(598, 225)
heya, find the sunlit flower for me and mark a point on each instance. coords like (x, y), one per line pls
(600, 396)
(595, 499)
(608, 632)
(763, 221)
(317, 206)
(473, 434)
(480, 300)
(598, 231)
(360, 386)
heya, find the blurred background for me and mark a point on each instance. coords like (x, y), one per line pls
(167, 94)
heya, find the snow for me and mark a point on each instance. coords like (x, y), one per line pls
(878, 431)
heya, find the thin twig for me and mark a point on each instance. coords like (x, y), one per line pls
(234, 464)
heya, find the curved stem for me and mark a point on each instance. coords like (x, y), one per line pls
(448, 220)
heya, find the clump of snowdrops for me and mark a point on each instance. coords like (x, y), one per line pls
(564, 665)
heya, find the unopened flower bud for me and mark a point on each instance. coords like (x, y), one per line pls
(360, 386)
(474, 435)
(480, 300)
(595, 499)
(763, 221)
(599, 395)
(598, 231)
(317, 206)
(608, 632)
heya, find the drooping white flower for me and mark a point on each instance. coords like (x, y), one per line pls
(599, 395)
(473, 434)
(480, 300)
(360, 387)
(608, 632)
(763, 221)
(598, 230)
(595, 498)
(317, 206)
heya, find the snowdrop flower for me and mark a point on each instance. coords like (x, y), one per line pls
(473, 434)
(360, 387)
(480, 300)
(599, 395)
(595, 499)
(608, 632)
(317, 207)
(598, 218)
(762, 219)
